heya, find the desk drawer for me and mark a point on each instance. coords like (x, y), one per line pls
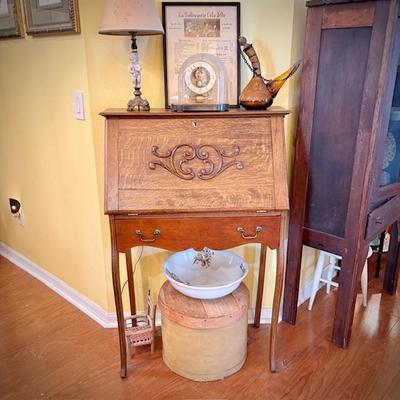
(194, 164)
(179, 233)
(383, 216)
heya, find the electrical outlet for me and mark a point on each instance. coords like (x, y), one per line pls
(79, 109)
(20, 218)
(16, 211)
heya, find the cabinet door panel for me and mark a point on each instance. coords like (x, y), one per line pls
(387, 159)
(390, 170)
(339, 93)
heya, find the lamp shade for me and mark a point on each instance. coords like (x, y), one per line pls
(124, 17)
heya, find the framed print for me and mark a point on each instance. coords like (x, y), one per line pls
(10, 19)
(51, 16)
(201, 27)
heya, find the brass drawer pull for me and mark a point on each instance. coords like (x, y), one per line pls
(241, 231)
(156, 233)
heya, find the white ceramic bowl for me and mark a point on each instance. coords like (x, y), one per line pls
(208, 274)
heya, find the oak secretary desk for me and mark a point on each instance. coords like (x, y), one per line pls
(181, 180)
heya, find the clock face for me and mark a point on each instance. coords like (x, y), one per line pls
(200, 77)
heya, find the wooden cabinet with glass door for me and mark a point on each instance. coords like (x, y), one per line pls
(346, 186)
(385, 203)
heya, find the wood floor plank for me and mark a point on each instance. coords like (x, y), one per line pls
(50, 350)
(393, 390)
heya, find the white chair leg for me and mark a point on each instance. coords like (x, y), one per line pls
(317, 277)
(364, 283)
(331, 270)
(364, 279)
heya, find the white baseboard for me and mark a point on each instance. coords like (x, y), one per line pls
(80, 301)
(91, 309)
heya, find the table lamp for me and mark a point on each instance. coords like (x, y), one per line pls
(133, 18)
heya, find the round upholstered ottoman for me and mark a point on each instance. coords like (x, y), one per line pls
(204, 340)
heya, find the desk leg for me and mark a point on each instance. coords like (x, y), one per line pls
(260, 288)
(131, 284)
(119, 308)
(277, 297)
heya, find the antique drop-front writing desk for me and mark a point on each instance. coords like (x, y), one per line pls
(181, 180)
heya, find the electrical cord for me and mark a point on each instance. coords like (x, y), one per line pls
(134, 268)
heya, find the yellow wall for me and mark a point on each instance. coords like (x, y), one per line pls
(54, 163)
(47, 161)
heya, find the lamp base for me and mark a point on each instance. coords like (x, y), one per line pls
(138, 103)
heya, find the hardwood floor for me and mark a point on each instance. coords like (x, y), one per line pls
(50, 350)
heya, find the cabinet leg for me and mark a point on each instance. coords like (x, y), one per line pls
(379, 256)
(119, 309)
(292, 279)
(260, 287)
(393, 260)
(131, 284)
(350, 274)
(277, 298)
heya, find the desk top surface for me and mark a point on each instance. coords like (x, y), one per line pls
(159, 112)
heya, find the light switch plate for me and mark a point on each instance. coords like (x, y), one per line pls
(79, 109)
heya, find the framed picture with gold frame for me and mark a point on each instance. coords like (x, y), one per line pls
(10, 19)
(51, 16)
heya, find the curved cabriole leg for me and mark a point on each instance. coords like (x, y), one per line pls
(260, 287)
(119, 309)
(131, 284)
(277, 298)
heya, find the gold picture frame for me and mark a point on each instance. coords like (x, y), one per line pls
(51, 16)
(11, 26)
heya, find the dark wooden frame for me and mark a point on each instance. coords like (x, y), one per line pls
(191, 4)
(370, 208)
